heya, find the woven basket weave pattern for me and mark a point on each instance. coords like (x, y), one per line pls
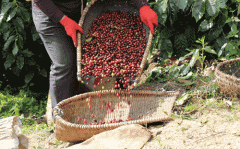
(154, 106)
(228, 81)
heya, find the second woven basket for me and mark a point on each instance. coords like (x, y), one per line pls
(228, 77)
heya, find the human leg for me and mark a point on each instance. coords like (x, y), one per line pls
(62, 52)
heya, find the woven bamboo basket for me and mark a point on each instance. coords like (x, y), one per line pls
(228, 77)
(147, 107)
(90, 13)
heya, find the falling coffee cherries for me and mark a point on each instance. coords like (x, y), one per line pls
(114, 47)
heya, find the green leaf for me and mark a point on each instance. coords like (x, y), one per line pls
(192, 62)
(27, 53)
(20, 61)
(173, 11)
(185, 56)
(167, 32)
(238, 42)
(174, 72)
(5, 27)
(16, 70)
(211, 7)
(238, 10)
(5, 1)
(12, 14)
(229, 46)
(190, 35)
(9, 61)
(180, 42)
(15, 49)
(189, 5)
(209, 50)
(20, 22)
(181, 4)
(182, 99)
(214, 34)
(232, 19)
(220, 21)
(16, 111)
(162, 6)
(38, 67)
(89, 39)
(221, 4)
(35, 34)
(31, 62)
(6, 35)
(4, 11)
(194, 58)
(221, 50)
(29, 77)
(162, 18)
(167, 46)
(8, 42)
(234, 29)
(205, 25)
(20, 41)
(24, 14)
(43, 72)
(198, 9)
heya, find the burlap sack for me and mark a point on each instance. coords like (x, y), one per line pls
(132, 136)
(11, 136)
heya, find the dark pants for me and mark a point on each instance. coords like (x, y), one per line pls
(62, 53)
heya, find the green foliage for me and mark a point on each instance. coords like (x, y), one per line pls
(182, 22)
(197, 29)
(21, 103)
(158, 74)
(36, 127)
(21, 48)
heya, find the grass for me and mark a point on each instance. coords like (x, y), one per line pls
(37, 127)
(55, 142)
(23, 102)
(159, 141)
(39, 147)
(191, 107)
(238, 135)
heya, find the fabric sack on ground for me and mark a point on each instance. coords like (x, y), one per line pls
(132, 136)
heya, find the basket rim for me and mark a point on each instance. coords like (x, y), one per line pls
(83, 126)
(219, 73)
(79, 55)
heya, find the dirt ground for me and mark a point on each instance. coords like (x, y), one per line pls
(211, 129)
(216, 129)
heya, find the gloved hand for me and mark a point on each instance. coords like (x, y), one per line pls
(148, 17)
(71, 28)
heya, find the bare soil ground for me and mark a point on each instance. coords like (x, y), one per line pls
(215, 125)
(211, 129)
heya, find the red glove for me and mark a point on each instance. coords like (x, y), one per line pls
(148, 17)
(71, 28)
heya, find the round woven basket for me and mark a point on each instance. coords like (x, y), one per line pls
(228, 77)
(136, 107)
(90, 13)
